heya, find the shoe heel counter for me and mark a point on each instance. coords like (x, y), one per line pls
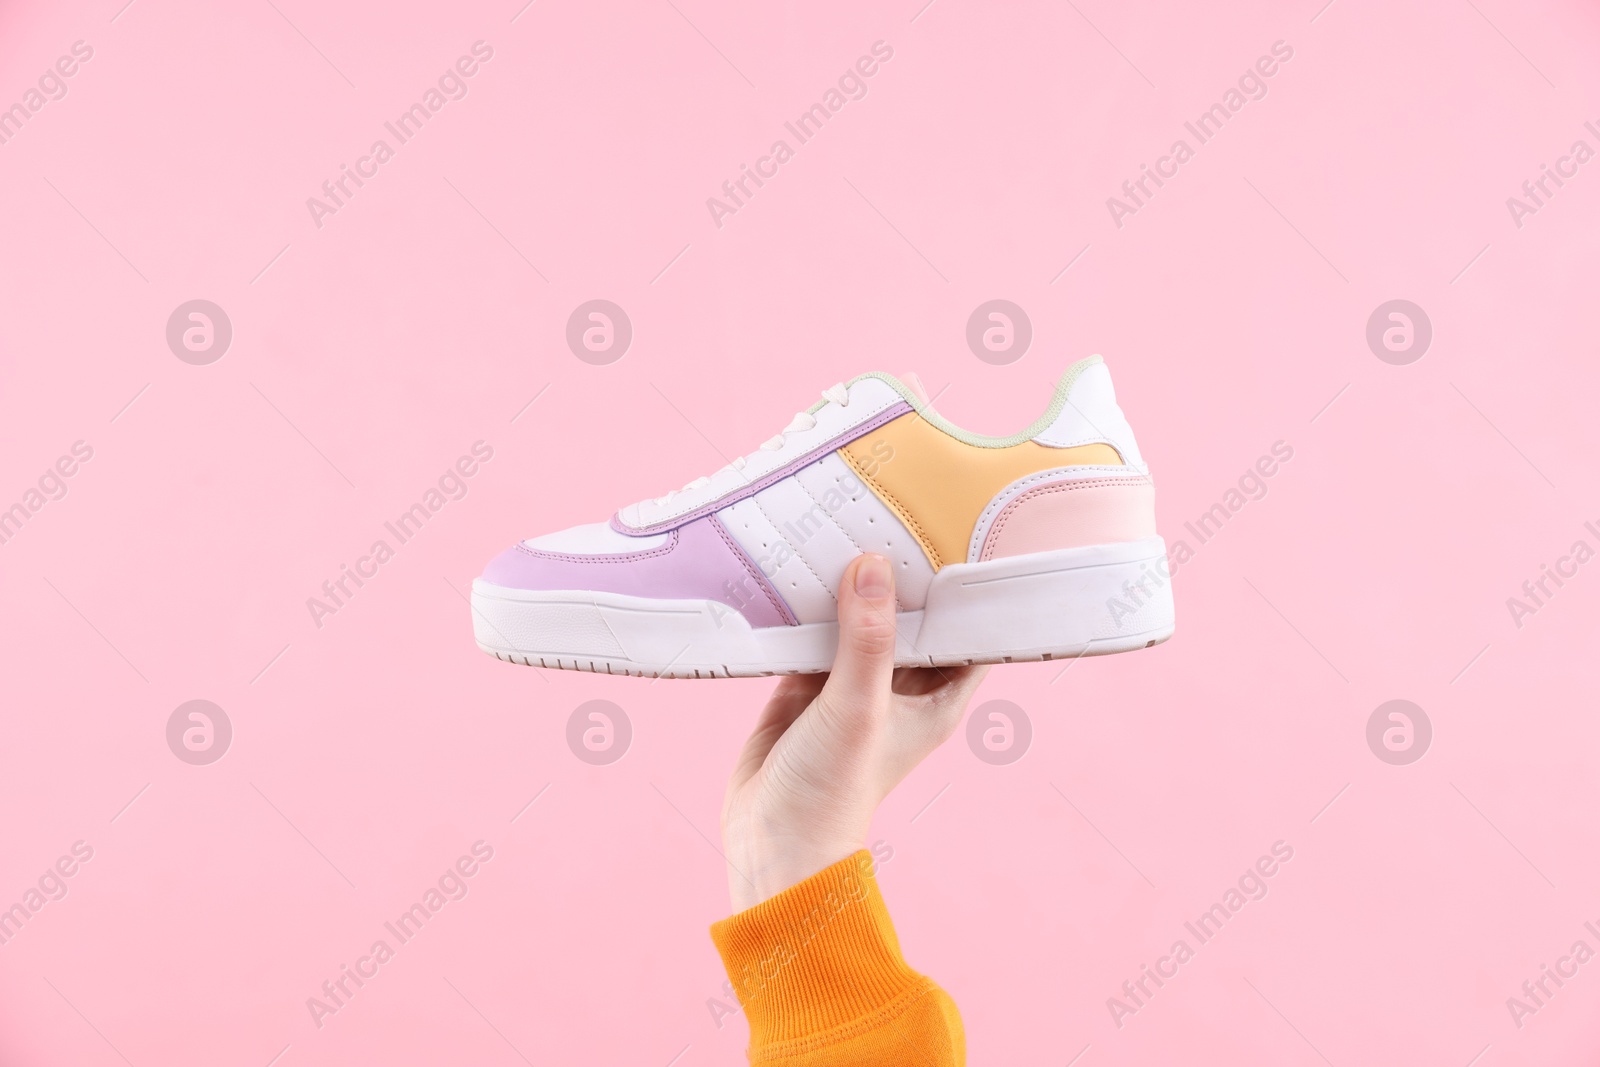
(1072, 513)
(1091, 415)
(1075, 508)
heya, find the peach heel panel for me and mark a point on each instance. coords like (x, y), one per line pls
(1073, 514)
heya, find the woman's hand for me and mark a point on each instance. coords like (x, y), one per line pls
(829, 747)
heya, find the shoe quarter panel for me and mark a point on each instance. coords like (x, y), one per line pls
(938, 485)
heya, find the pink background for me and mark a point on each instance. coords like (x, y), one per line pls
(370, 753)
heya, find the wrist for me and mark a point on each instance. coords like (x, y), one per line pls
(762, 866)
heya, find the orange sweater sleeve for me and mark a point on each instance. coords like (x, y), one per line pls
(819, 973)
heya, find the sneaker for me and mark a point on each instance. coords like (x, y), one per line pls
(1037, 546)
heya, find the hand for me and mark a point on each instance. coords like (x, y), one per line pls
(829, 747)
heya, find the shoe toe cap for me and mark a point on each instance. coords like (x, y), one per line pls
(569, 559)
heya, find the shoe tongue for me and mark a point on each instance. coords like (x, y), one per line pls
(910, 380)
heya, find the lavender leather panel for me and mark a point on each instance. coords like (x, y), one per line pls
(700, 562)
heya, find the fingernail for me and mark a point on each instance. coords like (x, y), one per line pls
(873, 578)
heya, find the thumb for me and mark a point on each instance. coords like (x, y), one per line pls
(864, 664)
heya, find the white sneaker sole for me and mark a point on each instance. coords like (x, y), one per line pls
(1049, 605)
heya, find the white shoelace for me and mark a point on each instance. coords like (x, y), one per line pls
(803, 420)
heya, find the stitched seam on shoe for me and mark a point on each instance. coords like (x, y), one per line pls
(898, 606)
(899, 509)
(784, 611)
(756, 500)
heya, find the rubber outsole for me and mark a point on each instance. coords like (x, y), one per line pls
(626, 668)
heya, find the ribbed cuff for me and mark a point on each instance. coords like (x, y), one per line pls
(816, 957)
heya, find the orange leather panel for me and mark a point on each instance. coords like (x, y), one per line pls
(938, 485)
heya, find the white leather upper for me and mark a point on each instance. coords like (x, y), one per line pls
(871, 527)
(1091, 415)
(868, 398)
(804, 530)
